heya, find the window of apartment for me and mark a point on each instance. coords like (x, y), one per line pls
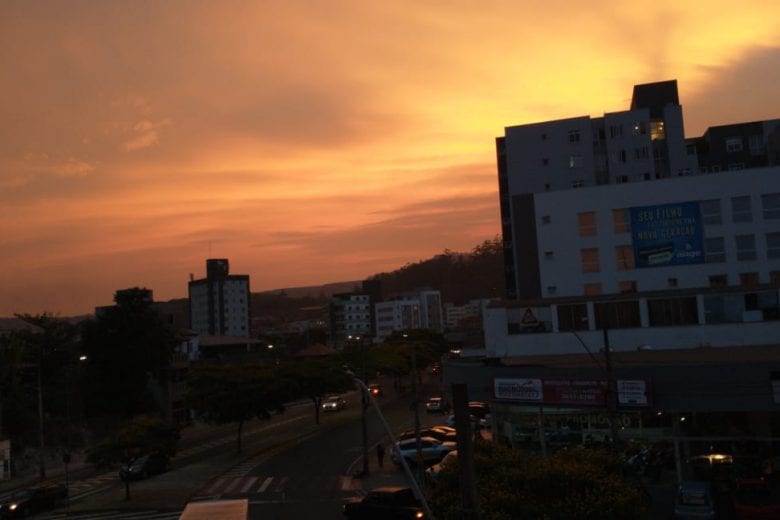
(684, 172)
(690, 149)
(657, 131)
(715, 168)
(773, 245)
(552, 289)
(624, 256)
(573, 317)
(733, 144)
(544, 137)
(756, 144)
(617, 315)
(620, 221)
(672, 311)
(774, 277)
(714, 250)
(548, 255)
(746, 247)
(574, 136)
(741, 210)
(771, 205)
(587, 223)
(546, 187)
(545, 219)
(545, 161)
(641, 153)
(710, 211)
(622, 156)
(733, 167)
(615, 131)
(646, 176)
(592, 288)
(575, 161)
(719, 280)
(639, 128)
(590, 260)
(627, 286)
(671, 282)
(748, 279)
(579, 183)
(621, 179)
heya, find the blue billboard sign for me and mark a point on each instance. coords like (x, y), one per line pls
(668, 234)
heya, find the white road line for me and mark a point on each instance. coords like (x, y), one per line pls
(281, 484)
(265, 485)
(232, 486)
(215, 485)
(249, 484)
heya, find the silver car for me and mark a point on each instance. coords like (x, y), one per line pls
(432, 450)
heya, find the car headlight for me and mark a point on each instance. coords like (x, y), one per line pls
(12, 506)
(419, 514)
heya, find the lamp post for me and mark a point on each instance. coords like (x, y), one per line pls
(66, 454)
(419, 466)
(364, 402)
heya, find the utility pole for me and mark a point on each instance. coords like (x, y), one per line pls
(611, 383)
(364, 406)
(41, 444)
(468, 481)
(419, 465)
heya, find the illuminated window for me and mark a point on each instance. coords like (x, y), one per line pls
(620, 221)
(657, 131)
(624, 256)
(587, 223)
(590, 260)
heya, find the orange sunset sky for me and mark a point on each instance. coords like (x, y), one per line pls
(312, 141)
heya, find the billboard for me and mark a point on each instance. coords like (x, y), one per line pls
(667, 234)
(583, 392)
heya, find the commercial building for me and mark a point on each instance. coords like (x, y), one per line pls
(220, 303)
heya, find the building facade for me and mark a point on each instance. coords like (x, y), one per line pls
(350, 315)
(220, 303)
(419, 310)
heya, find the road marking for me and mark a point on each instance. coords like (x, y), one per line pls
(265, 485)
(345, 482)
(215, 486)
(281, 484)
(249, 484)
(232, 486)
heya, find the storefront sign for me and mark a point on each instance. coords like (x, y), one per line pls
(580, 392)
(668, 234)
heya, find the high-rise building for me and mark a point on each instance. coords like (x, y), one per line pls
(419, 310)
(220, 303)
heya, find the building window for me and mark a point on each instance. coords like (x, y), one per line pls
(641, 153)
(620, 221)
(773, 245)
(714, 250)
(774, 277)
(621, 179)
(719, 280)
(741, 210)
(746, 247)
(590, 260)
(545, 161)
(579, 183)
(545, 219)
(587, 223)
(733, 144)
(639, 128)
(573, 317)
(710, 211)
(684, 172)
(617, 315)
(646, 176)
(672, 311)
(657, 131)
(671, 282)
(575, 161)
(546, 187)
(748, 279)
(627, 286)
(548, 255)
(621, 156)
(574, 136)
(552, 289)
(592, 288)
(771, 205)
(544, 137)
(615, 131)
(624, 256)
(756, 144)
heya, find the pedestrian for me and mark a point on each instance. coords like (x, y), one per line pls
(380, 454)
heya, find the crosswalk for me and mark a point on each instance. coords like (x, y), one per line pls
(151, 514)
(253, 485)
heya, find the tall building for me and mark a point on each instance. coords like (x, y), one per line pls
(220, 303)
(420, 310)
(350, 315)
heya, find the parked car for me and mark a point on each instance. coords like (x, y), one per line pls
(436, 404)
(144, 466)
(433, 450)
(437, 432)
(333, 404)
(385, 502)
(694, 500)
(478, 409)
(375, 390)
(754, 500)
(432, 473)
(33, 500)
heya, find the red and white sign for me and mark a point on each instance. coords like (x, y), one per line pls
(582, 392)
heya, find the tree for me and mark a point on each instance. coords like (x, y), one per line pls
(128, 346)
(236, 393)
(140, 436)
(572, 484)
(315, 379)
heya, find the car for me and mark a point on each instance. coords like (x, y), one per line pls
(479, 409)
(432, 473)
(437, 432)
(144, 466)
(754, 500)
(436, 404)
(432, 450)
(33, 500)
(333, 404)
(375, 390)
(694, 500)
(394, 502)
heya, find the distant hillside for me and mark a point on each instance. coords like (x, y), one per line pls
(315, 291)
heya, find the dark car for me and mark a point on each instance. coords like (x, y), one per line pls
(144, 467)
(437, 432)
(385, 502)
(33, 500)
(375, 390)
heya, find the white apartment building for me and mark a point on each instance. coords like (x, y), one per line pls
(421, 310)
(350, 315)
(677, 240)
(220, 303)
